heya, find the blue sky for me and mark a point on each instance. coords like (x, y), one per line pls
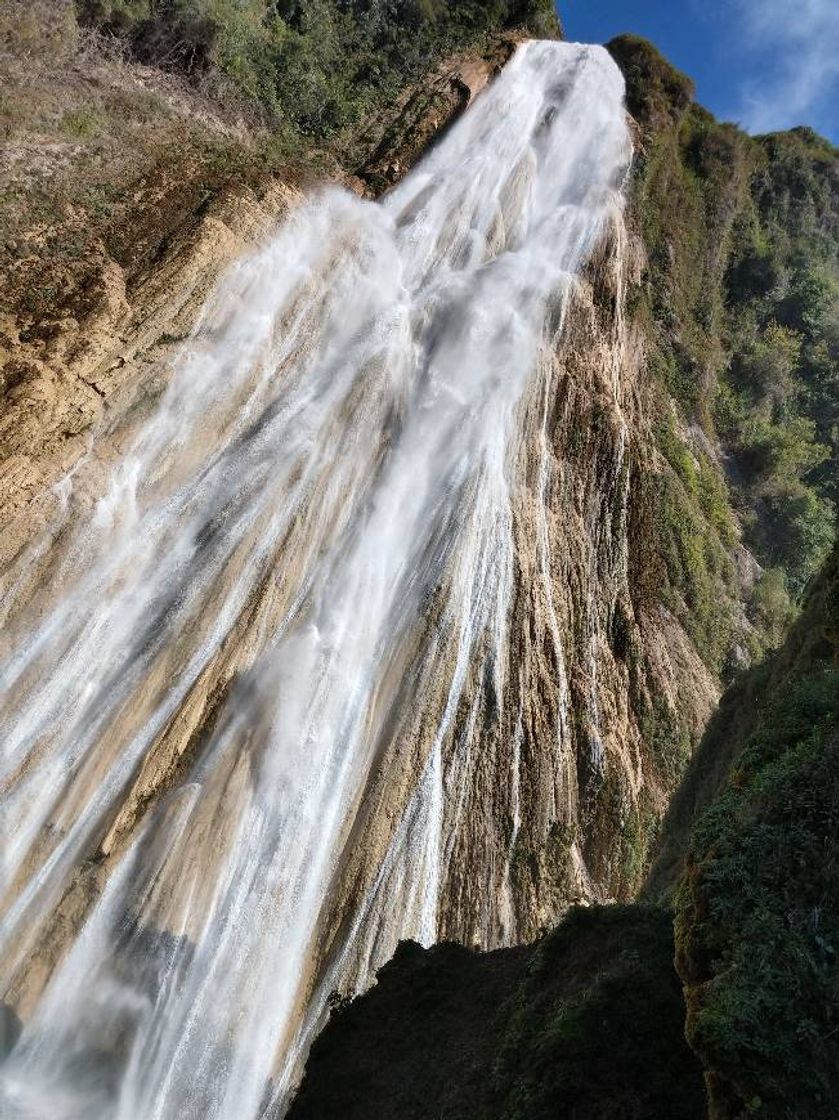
(767, 64)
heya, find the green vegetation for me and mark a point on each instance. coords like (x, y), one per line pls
(595, 1028)
(314, 66)
(698, 570)
(739, 307)
(778, 402)
(109, 161)
(101, 165)
(758, 909)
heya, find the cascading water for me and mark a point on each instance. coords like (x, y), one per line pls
(248, 703)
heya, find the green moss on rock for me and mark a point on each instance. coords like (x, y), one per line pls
(758, 909)
(739, 308)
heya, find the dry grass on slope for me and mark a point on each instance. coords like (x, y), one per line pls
(101, 158)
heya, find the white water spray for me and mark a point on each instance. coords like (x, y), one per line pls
(309, 544)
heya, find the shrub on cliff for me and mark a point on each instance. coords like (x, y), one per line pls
(317, 65)
(739, 308)
(608, 1041)
(758, 910)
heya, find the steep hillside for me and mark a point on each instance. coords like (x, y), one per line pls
(736, 307)
(739, 307)
(757, 917)
(755, 699)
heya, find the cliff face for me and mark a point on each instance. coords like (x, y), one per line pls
(738, 308)
(626, 595)
(749, 844)
(524, 653)
(593, 1021)
(584, 673)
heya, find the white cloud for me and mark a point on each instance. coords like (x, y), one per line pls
(792, 49)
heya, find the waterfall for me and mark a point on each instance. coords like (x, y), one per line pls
(258, 697)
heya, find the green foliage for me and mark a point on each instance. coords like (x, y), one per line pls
(667, 740)
(777, 408)
(640, 829)
(83, 123)
(775, 453)
(655, 88)
(316, 65)
(794, 530)
(680, 537)
(765, 366)
(702, 480)
(778, 403)
(696, 567)
(811, 642)
(758, 910)
(690, 179)
(608, 1044)
(769, 606)
(740, 309)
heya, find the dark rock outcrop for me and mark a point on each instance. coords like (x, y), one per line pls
(585, 1024)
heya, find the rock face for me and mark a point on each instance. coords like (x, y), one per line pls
(422, 114)
(590, 1021)
(562, 694)
(552, 783)
(89, 382)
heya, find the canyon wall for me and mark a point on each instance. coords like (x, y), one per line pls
(581, 589)
(327, 602)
